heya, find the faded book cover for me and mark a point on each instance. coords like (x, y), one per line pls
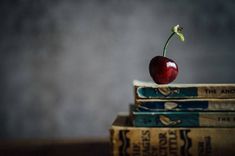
(186, 104)
(131, 141)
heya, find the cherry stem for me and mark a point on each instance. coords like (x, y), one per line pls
(167, 42)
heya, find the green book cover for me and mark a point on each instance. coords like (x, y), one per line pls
(146, 90)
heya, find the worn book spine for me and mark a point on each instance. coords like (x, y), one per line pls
(185, 91)
(132, 141)
(186, 104)
(183, 119)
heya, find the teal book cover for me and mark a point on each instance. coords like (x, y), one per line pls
(183, 118)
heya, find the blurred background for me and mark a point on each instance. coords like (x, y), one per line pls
(67, 66)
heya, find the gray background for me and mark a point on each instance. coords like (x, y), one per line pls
(67, 66)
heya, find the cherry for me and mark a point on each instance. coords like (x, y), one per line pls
(162, 69)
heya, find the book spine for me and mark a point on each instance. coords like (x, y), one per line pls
(173, 141)
(184, 92)
(183, 105)
(183, 119)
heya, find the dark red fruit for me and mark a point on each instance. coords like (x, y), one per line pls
(163, 70)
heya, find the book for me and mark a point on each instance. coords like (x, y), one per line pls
(186, 104)
(137, 141)
(182, 118)
(146, 90)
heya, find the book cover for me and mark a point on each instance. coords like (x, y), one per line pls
(132, 141)
(145, 90)
(182, 118)
(186, 104)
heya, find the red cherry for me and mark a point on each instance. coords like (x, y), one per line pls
(163, 70)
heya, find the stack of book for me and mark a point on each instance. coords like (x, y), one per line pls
(177, 120)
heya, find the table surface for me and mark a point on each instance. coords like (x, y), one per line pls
(80, 147)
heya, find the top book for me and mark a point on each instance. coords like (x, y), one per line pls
(148, 90)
